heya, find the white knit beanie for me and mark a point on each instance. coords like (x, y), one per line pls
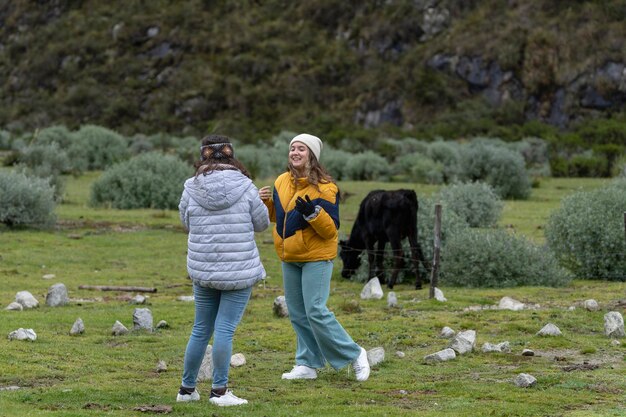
(312, 142)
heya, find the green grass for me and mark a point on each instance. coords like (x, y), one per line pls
(97, 374)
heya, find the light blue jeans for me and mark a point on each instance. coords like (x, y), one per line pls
(320, 337)
(217, 313)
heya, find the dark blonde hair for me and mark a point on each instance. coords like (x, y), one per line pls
(216, 154)
(315, 172)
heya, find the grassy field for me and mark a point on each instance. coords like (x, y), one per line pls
(96, 374)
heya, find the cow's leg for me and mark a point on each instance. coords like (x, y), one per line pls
(371, 257)
(416, 257)
(397, 253)
(380, 257)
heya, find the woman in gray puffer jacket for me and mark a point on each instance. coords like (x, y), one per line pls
(222, 209)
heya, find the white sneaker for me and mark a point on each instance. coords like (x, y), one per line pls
(194, 396)
(301, 372)
(361, 366)
(227, 399)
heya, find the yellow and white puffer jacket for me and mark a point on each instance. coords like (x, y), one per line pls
(296, 239)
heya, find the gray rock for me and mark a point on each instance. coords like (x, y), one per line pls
(400, 354)
(500, 347)
(528, 352)
(591, 305)
(162, 325)
(441, 356)
(23, 334)
(237, 360)
(376, 355)
(447, 333)
(14, 306)
(161, 366)
(138, 299)
(280, 307)
(392, 300)
(142, 319)
(525, 380)
(206, 368)
(549, 330)
(78, 327)
(615, 342)
(372, 290)
(185, 298)
(463, 342)
(57, 296)
(10, 388)
(26, 299)
(508, 303)
(614, 324)
(49, 276)
(118, 329)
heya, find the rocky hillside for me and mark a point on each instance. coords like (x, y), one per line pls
(338, 67)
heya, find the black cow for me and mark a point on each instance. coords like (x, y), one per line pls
(384, 216)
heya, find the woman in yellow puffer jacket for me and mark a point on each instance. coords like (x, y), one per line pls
(305, 208)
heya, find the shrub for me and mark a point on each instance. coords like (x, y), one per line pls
(103, 147)
(419, 168)
(495, 258)
(535, 154)
(367, 166)
(58, 134)
(140, 144)
(5, 140)
(587, 233)
(498, 166)
(26, 201)
(150, 180)
(336, 161)
(477, 203)
(393, 148)
(587, 165)
(446, 153)
(188, 149)
(47, 162)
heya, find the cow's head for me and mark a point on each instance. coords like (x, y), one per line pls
(350, 257)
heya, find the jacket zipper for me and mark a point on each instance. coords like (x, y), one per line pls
(295, 193)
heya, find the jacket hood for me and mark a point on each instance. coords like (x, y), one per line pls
(218, 190)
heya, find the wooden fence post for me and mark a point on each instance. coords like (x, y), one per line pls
(434, 274)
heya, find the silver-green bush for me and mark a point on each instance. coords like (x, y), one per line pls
(500, 167)
(48, 162)
(26, 201)
(150, 180)
(587, 232)
(447, 154)
(418, 168)
(367, 166)
(335, 161)
(475, 202)
(103, 147)
(494, 258)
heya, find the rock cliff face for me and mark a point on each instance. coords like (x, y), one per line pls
(258, 67)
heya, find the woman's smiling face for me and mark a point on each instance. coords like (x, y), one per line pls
(298, 155)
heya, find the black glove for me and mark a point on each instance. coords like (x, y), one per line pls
(306, 208)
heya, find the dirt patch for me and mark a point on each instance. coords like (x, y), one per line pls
(581, 367)
(161, 409)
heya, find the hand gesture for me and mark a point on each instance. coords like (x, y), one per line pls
(265, 192)
(305, 207)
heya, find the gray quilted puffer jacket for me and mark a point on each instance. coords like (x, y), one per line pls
(222, 210)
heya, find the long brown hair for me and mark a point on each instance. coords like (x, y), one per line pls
(216, 154)
(315, 172)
